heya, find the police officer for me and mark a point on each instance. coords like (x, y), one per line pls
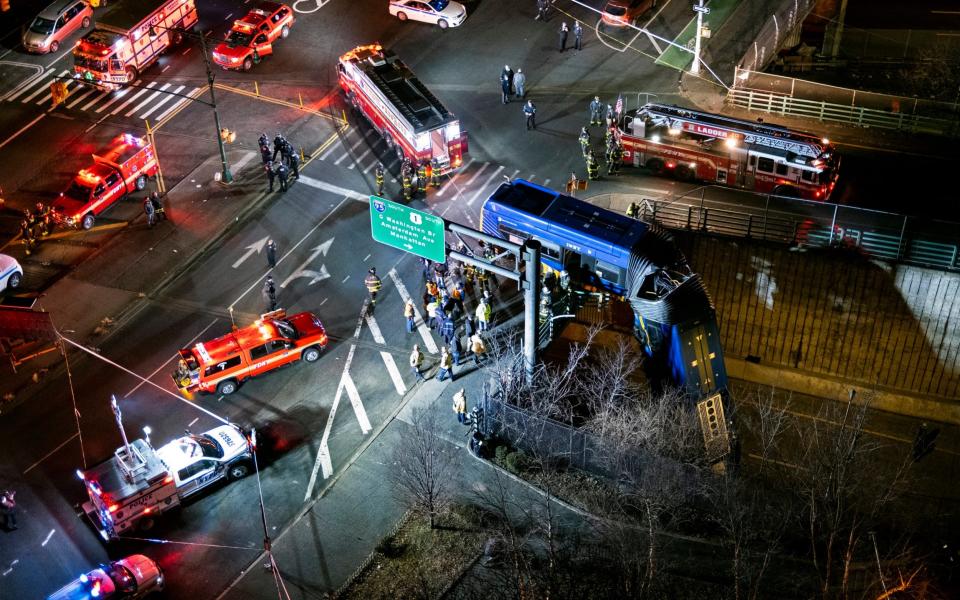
(378, 173)
(295, 164)
(270, 293)
(422, 177)
(373, 284)
(435, 173)
(564, 31)
(265, 155)
(506, 82)
(286, 152)
(577, 36)
(596, 111)
(530, 110)
(282, 173)
(271, 254)
(593, 169)
(263, 141)
(150, 211)
(584, 141)
(271, 174)
(278, 142)
(542, 6)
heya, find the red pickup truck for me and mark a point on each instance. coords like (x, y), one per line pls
(120, 168)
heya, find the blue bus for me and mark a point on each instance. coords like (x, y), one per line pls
(601, 249)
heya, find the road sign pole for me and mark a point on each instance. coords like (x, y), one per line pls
(531, 313)
(700, 9)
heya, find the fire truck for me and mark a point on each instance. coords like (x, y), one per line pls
(412, 121)
(272, 341)
(699, 146)
(139, 482)
(252, 37)
(117, 170)
(129, 37)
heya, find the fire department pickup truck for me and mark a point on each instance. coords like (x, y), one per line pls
(117, 170)
(252, 37)
(274, 340)
(139, 482)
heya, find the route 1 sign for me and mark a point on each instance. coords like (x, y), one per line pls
(407, 229)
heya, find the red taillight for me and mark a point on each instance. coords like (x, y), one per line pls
(113, 508)
(671, 165)
(168, 479)
(147, 510)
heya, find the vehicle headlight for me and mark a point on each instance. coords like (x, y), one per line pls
(234, 59)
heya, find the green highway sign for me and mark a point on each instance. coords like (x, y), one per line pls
(404, 228)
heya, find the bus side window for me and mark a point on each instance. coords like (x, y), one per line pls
(609, 272)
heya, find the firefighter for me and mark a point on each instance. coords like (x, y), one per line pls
(633, 211)
(295, 164)
(26, 237)
(596, 111)
(610, 116)
(607, 136)
(422, 177)
(373, 284)
(593, 169)
(608, 153)
(435, 173)
(617, 157)
(282, 173)
(270, 293)
(378, 173)
(407, 186)
(158, 209)
(584, 141)
(271, 174)
(43, 219)
(149, 210)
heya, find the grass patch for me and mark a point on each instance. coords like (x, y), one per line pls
(417, 562)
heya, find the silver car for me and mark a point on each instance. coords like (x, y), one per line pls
(55, 23)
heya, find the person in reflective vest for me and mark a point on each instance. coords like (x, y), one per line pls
(435, 173)
(373, 284)
(378, 173)
(422, 177)
(593, 169)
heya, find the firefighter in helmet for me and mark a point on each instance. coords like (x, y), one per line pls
(422, 177)
(26, 237)
(633, 211)
(584, 141)
(378, 173)
(593, 169)
(407, 186)
(435, 173)
(373, 284)
(43, 219)
(616, 157)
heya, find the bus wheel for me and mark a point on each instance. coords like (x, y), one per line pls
(226, 387)
(655, 165)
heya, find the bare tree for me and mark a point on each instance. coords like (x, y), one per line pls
(424, 467)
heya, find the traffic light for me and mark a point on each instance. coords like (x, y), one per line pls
(58, 92)
(228, 136)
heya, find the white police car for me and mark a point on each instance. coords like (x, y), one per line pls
(11, 274)
(444, 13)
(132, 577)
(197, 461)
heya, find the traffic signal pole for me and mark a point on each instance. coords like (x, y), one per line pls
(225, 175)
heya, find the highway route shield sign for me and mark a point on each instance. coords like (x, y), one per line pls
(407, 229)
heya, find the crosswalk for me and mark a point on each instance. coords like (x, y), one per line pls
(152, 100)
(472, 182)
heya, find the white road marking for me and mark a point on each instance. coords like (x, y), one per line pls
(190, 424)
(514, 176)
(80, 98)
(134, 97)
(484, 186)
(166, 98)
(375, 329)
(353, 165)
(246, 158)
(22, 129)
(178, 104)
(394, 372)
(347, 153)
(96, 99)
(13, 563)
(477, 174)
(148, 99)
(367, 257)
(422, 328)
(458, 175)
(23, 87)
(329, 187)
(330, 150)
(42, 89)
(47, 539)
(357, 404)
(546, 182)
(172, 358)
(49, 454)
(254, 248)
(344, 279)
(118, 95)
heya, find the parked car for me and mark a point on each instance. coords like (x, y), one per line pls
(11, 273)
(620, 13)
(442, 13)
(129, 578)
(55, 23)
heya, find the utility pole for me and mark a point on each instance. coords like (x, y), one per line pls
(225, 175)
(701, 10)
(531, 306)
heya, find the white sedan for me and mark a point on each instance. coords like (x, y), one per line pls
(11, 274)
(444, 13)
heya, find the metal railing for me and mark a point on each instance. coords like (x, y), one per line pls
(886, 236)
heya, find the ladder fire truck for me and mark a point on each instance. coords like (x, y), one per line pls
(699, 146)
(128, 38)
(411, 120)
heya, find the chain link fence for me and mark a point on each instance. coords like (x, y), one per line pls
(779, 27)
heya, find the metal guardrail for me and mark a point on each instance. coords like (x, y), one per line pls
(879, 235)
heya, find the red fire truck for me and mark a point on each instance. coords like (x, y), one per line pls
(699, 146)
(411, 120)
(120, 168)
(130, 36)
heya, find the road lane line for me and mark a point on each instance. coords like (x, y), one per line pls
(394, 372)
(358, 409)
(422, 328)
(477, 174)
(347, 153)
(484, 186)
(246, 158)
(37, 78)
(332, 147)
(47, 539)
(329, 187)
(22, 129)
(42, 89)
(458, 175)
(195, 419)
(80, 98)
(117, 96)
(134, 97)
(96, 99)
(49, 454)
(148, 99)
(514, 176)
(323, 461)
(546, 182)
(164, 100)
(179, 103)
(374, 329)
(174, 357)
(353, 165)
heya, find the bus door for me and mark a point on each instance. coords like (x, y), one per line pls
(438, 146)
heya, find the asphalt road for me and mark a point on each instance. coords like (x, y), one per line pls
(313, 416)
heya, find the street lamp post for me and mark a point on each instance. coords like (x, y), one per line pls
(701, 10)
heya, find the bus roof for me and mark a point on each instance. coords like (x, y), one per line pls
(569, 213)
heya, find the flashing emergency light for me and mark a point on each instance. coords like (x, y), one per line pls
(673, 130)
(80, 475)
(655, 138)
(693, 165)
(84, 578)
(113, 508)
(825, 141)
(168, 479)
(453, 131)
(730, 142)
(95, 590)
